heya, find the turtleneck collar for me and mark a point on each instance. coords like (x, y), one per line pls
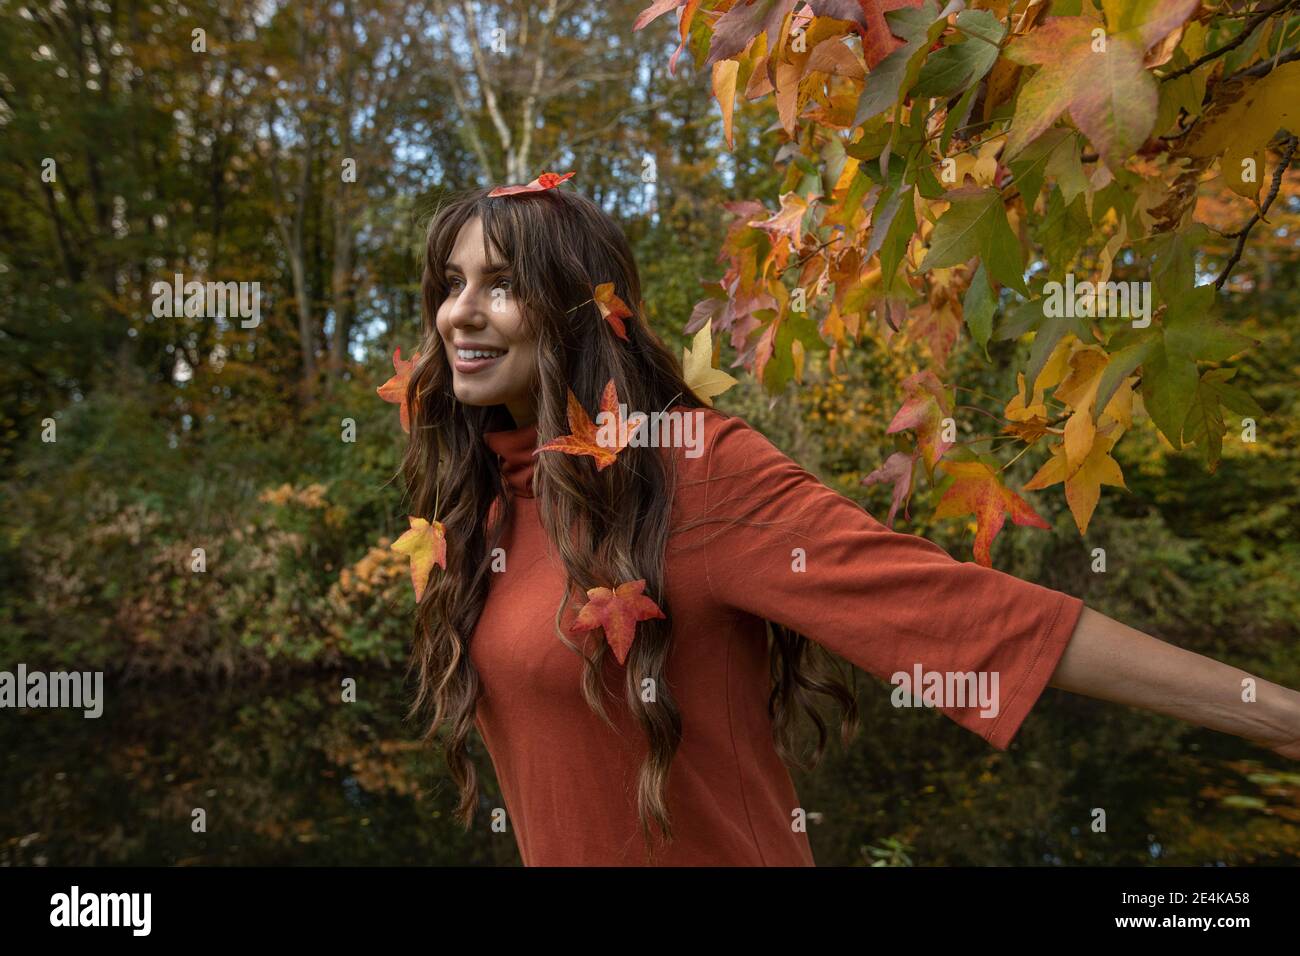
(515, 447)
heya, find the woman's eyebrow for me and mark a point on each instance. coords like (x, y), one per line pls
(491, 267)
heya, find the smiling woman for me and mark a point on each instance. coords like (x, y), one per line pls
(714, 590)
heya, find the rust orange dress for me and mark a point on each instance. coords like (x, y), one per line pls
(883, 600)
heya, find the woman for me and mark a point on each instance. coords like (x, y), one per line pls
(753, 570)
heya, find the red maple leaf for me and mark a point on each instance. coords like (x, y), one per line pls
(658, 9)
(616, 612)
(980, 492)
(544, 181)
(613, 308)
(897, 471)
(394, 390)
(582, 436)
(923, 412)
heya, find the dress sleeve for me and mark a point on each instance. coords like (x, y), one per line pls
(888, 602)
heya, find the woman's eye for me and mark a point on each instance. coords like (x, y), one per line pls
(454, 282)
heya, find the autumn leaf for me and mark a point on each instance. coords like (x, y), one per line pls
(426, 545)
(616, 612)
(957, 65)
(976, 225)
(891, 78)
(739, 25)
(394, 390)
(1205, 425)
(612, 308)
(697, 367)
(542, 182)
(1098, 78)
(923, 411)
(1241, 121)
(979, 491)
(1170, 376)
(786, 224)
(724, 91)
(1023, 409)
(1083, 480)
(583, 434)
(658, 9)
(897, 471)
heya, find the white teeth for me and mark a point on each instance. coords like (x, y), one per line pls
(470, 354)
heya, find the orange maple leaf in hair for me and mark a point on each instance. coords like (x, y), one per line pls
(582, 437)
(394, 390)
(613, 308)
(616, 612)
(544, 181)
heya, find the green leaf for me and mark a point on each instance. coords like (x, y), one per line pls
(875, 136)
(978, 307)
(983, 26)
(901, 227)
(1065, 166)
(958, 115)
(960, 64)
(1168, 386)
(1062, 231)
(1173, 260)
(1191, 332)
(1025, 317)
(884, 84)
(976, 224)
(1204, 424)
(1147, 20)
(1030, 166)
(893, 76)
(1121, 365)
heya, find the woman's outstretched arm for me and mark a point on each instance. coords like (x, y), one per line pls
(1112, 661)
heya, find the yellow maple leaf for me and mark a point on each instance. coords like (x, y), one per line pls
(426, 545)
(1242, 120)
(1082, 483)
(697, 367)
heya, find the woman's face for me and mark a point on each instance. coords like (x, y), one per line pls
(493, 358)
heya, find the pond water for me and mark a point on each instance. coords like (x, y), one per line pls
(288, 774)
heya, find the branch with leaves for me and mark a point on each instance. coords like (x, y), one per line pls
(969, 177)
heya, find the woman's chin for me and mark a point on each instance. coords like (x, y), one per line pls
(478, 396)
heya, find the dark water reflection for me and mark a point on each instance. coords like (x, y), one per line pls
(288, 774)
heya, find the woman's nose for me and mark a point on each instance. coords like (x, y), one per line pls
(469, 308)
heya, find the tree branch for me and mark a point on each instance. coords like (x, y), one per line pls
(1244, 233)
(1235, 42)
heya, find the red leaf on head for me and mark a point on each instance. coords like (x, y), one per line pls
(544, 181)
(616, 612)
(613, 308)
(582, 436)
(394, 390)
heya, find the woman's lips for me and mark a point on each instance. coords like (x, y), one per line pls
(470, 366)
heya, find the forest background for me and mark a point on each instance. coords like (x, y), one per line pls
(230, 163)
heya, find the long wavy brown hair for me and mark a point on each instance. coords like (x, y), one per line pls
(607, 526)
